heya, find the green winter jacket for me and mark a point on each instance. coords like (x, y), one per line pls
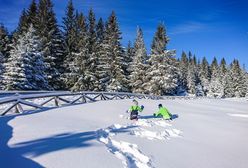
(163, 112)
(138, 108)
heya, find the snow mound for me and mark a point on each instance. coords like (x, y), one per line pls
(238, 115)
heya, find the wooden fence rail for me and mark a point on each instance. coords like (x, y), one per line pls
(16, 103)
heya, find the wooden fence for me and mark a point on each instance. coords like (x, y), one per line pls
(15, 103)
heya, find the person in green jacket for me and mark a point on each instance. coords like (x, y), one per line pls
(163, 112)
(134, 110)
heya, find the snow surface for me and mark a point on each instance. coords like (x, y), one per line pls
(204, 133)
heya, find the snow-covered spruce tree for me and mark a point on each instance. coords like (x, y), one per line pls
(128, 57)
(52, 43)
(100, 30)
(79, 68)
(159, 41)
(237, 80)
(118, 81)
(246, 77)
(216, 89)
(4, 41)
(32, 14)
(204, 75)
(104, 60)
(93, 55)
(22, 25)
(71, 42)
(191, 75)
(223, 76)
(1, 70)
(25, 66)
(103, 53)
(191, 81)
(199, 89)
(183, 72)
(162, 74)
(138, 67)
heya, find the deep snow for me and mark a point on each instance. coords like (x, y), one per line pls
(207, 133)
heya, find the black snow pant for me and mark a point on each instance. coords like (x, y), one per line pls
(134, 115)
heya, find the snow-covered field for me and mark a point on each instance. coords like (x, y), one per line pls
(206, 133)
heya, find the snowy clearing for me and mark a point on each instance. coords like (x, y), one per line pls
(205, 133)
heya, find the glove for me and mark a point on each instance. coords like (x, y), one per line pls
(142, 107)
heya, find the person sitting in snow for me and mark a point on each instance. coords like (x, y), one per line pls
(134, 110)
(163, 112)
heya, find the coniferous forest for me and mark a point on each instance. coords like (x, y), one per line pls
(85, 54)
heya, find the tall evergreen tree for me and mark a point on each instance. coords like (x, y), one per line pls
(1, 70)
(237, 80)
(105, 60)
(32, 13)
(191, 75)
(52, 43)
(22, 25)
(93, 58)
(79, 68)
(204, 75)
(183, 66)
(4, 41)
(118, 80)
(70, 28)
(25, 67)
(21, 28)
(100, 30)
(160, 40)
(216, 89)
(162, 76)
(223, 75)
(138, 66)
(128, 57)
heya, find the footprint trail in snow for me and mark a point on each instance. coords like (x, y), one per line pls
(130, 155)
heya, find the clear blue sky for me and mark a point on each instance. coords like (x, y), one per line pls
(205, 27)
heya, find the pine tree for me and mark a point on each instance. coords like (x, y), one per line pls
(32, 13)
(246, 77)
(79, 68)
(163, 73)
(52, 43)
(183, 66)
(25, 67)
(216, 89)
(223, 75)
(128, 57)
(93, 59)
(191, 75)
(160, 40)
(204, 75)
(105, 60)
(138, 67)
(237, 80)
(4, 40)
(162, 76)
(22, 25)
(118, 80)
(100, 31)
(1, 70)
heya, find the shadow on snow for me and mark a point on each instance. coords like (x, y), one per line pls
(14, 156)
(174, 116)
